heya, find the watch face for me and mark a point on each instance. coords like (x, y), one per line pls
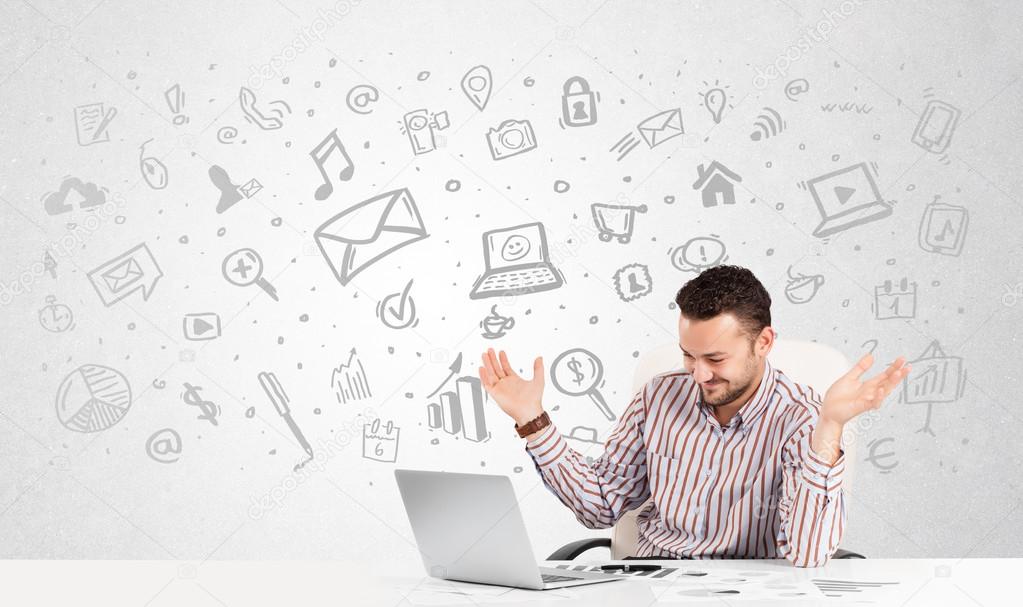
(56, 318)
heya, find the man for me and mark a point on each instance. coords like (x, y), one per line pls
(741, 462)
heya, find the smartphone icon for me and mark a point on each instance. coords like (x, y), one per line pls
(936, 126)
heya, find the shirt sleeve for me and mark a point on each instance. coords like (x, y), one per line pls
(615, 483)
(812, 508)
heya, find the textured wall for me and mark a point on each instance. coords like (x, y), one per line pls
(870, 155)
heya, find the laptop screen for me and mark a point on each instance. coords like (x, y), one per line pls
(521, 245)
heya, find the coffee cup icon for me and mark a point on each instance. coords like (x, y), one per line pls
(495, 325)
(801, 288)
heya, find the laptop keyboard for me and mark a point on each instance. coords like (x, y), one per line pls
(551, 577)
(518, 279)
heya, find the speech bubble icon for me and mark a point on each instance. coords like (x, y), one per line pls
(135, 269)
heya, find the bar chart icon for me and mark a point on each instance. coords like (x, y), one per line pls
(461, 411)
(349, 380)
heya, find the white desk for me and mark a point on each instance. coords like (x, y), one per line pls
(921, 582)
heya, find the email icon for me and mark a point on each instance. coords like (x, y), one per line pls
(122, 276)
(662, 127)
(130, 271)
(250, 188)
(362, 235)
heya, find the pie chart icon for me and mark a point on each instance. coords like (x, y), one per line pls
(93, 398)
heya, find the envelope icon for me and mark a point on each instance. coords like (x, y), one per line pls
(659, 128)
(122, 275)
(362, 235)
(250, 188)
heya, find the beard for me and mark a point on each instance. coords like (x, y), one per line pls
(731, 392)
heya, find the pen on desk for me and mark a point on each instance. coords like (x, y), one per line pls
(629, 568)
(277, 396)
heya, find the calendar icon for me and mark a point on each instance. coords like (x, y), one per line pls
(380, 444)
(892, 301)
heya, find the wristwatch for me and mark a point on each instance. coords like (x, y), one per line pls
(537, 423)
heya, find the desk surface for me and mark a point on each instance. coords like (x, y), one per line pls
(908, 582)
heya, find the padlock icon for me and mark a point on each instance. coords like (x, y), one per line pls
(579, 106)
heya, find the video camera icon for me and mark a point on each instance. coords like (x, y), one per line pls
(201, 326)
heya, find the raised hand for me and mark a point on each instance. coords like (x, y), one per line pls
(850, 396)
(521, 399)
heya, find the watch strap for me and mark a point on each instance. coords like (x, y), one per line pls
(537, 423)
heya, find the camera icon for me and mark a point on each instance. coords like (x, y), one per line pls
(511, 138)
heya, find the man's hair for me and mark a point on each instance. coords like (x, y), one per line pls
(727, 289)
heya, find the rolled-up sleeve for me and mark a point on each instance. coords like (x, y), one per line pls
(812, 508)
(616, 482)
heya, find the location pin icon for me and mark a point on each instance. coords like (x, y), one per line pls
(476, 85)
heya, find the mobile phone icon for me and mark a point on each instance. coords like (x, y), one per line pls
(936, 126)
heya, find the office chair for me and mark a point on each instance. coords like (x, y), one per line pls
(804, 362)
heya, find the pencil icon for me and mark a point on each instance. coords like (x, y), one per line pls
(272, 386)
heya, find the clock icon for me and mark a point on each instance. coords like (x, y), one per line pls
(55, 317)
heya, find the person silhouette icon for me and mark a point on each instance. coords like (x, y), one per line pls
(229, 194)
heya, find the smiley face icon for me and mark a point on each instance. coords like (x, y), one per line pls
(515, 248)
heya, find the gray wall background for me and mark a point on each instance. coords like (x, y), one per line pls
(232, 493)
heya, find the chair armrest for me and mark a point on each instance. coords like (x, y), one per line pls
(847, 554)
(569, 551)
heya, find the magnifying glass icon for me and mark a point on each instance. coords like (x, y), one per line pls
(245, 267)
(578, 372)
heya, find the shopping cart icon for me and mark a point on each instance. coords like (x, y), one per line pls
(615, 221)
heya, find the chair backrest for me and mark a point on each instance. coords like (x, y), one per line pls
(804, 362)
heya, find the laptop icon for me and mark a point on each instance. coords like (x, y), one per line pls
(468, 528)
(517, 263)
(847, 198)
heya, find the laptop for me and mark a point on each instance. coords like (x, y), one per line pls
(846, 198)
(517, 262)
(469, 528)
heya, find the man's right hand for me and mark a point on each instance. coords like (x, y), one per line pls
(522, 400)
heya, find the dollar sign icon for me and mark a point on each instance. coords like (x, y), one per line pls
(209, 409)
(573, 366)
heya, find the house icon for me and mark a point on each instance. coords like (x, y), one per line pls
(717, 183)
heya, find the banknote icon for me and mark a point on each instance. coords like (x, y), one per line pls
(121, 276)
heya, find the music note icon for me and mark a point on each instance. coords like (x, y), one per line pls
(321, 154)
(943, 228)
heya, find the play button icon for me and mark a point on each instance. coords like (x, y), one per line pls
(202, 326)
(843, 193)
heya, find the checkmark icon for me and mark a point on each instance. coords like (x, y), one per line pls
(401, 317)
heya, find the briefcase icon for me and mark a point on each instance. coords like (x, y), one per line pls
(362, 235)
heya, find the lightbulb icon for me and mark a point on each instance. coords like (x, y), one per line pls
(714, 100)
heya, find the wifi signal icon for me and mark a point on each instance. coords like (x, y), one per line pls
(767, 125)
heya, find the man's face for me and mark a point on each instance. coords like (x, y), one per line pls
(721, 356)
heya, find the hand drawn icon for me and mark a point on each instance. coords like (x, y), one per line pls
(847, 106)
(87, 195)
(698, 254)
(633, 281)
(517, 263)
(801, 288)
(130, 271)
(895, 301)
(623, 146)
(796, 87)
(175, 99)
(453, 369)
(1012, 294)
(715, 100)
(583, 434)
(270, 121)
(321, 154)
(153, 171)
(579, 372)
(615, 221)
(275, 392)
(245, 267)
(349, 380)
(847, 198)
(461, 410)
(943, 228)
(511, 138)
(227, 134)
(717, 184)
(661, 128)
(93, 398)
(495, 325)
(400, 315)
(880, 460)
(50, 265)
(91, 122)
(362, 235)
(767, 125)
(164, 446)
(476, 84)
(250, 188)
(201, 326)
(230, 193)
(936, 126)
(578, 103)
(55, 317)
(935, 378)
(360, 97)
(210, 410)
(420, 126)
(380, 446)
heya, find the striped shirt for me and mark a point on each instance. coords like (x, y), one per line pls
(751, 489)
